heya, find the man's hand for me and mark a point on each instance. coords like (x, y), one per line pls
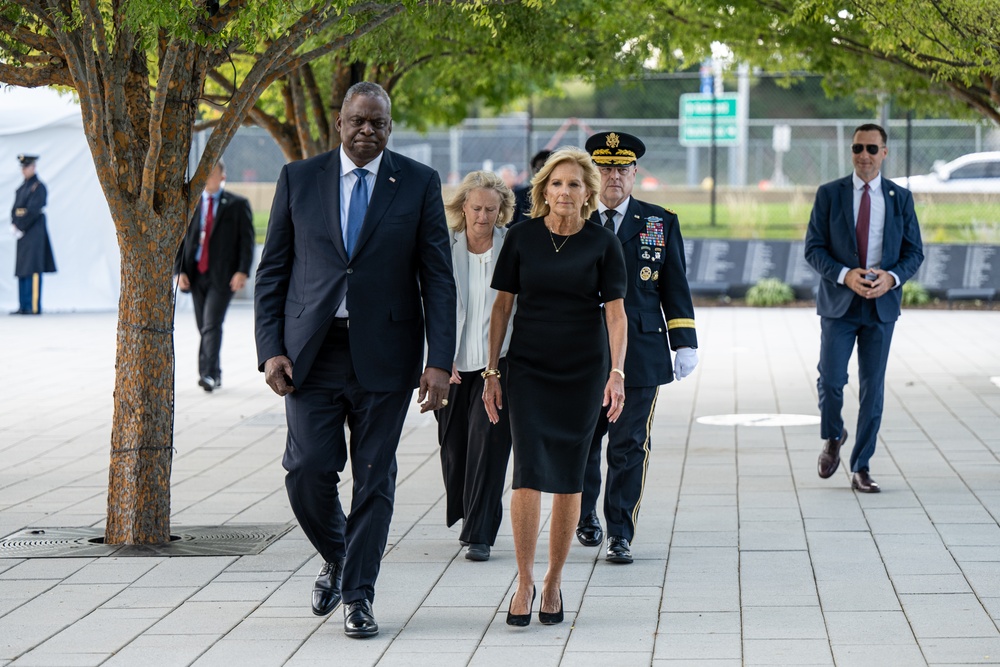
(183, 283)
(237, 282)
(433, 393)
(278, 374)
(870, 283)
(685, 360)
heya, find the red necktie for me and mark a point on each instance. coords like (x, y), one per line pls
(209, 219)
(861, 229)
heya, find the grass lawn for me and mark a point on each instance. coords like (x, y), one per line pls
(939, 223)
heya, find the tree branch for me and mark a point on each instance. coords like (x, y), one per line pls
(163, 82)
(33, 77)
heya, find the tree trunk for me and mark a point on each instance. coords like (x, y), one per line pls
(142, 429)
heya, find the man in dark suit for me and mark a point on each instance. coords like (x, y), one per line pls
(864, 241)
(522, 193)
(34, 250)
(213, 263)
(660, 318)
(356, 271)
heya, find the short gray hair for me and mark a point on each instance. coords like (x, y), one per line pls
(367, 89)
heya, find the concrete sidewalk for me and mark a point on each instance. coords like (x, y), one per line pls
(744, 556)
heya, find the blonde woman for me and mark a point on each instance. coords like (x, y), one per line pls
(564, 362)
(474, 452)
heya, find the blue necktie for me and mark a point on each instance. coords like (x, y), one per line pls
(356, 210)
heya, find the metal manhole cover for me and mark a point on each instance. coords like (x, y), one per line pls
(231, 540)
(759, 420)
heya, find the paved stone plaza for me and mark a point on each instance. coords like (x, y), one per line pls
(744, 556)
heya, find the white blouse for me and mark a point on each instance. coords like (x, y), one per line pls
(473, 348)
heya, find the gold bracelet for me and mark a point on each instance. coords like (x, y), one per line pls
(491, 371)
(619, 371)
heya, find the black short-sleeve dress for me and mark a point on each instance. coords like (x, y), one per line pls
(558, 361)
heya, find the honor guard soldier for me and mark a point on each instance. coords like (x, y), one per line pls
(34, 251)
(660, 318)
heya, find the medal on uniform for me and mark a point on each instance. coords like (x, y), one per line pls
(645, 273)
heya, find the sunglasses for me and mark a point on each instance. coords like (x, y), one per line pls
(872, 149)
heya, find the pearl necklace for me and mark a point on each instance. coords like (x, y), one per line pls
(553, 239)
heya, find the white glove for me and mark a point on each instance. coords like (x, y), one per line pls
(685, 359)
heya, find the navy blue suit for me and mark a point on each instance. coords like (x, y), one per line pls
(846, 317)
(34, 250)
(399, 288)
(660, 318)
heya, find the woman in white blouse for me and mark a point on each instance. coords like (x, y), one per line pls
(474, 452)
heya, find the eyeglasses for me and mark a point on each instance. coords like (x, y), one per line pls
(621, 171)
(872, 149)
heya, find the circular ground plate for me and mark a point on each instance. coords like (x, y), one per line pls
(759, 420)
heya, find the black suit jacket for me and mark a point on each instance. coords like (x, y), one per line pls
(230, 246)
(399, 282)
(831, 244)
(657, 290)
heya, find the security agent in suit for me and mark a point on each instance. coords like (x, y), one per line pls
(864, 241)
(660, 318)
(213, 263)
(355, 273)
(522, 193)
(34, 250)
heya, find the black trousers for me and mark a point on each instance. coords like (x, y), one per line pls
(316, 452)
(210, 305)
(474, 457)
(628, 459)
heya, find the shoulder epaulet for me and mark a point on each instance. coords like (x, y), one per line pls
(671, 212)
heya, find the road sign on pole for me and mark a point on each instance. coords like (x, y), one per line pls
(696, 119)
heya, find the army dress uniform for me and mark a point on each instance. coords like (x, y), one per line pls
(660, 317)
(34, 250)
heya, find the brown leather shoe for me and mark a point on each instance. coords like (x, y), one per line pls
(829, 458)
(864, 483)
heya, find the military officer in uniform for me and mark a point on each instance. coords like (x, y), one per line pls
(34, 251)
(660, 318)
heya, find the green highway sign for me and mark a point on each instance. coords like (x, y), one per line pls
(696, 119)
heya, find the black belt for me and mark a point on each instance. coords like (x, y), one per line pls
(341, 322)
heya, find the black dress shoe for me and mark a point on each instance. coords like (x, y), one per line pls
(520, 620)
(326, 590)
(864, 483)
(478, 552)
(829, 458)
(546, 618)
(359, 621)
(589, 532)
(618, 551)
(207, 383)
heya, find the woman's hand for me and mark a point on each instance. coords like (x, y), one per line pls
(614, 396)
(493, 398)
(455, 378)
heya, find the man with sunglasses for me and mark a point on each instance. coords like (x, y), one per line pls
(864, 241)
(660, 318)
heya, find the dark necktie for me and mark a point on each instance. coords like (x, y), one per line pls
(610, 222)
(861, 229)
(357, 209)
(209, 221)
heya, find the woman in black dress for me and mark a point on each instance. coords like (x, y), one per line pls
(560, 373)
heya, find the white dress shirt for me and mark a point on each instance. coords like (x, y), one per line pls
(347, 180)
(876, 224)
(619, 212)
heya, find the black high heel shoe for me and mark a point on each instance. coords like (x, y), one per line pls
(521, 620)
(545, 618)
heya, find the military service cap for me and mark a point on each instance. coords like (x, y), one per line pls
(614, 149)
(26, 160)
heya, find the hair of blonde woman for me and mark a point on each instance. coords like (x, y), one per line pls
(476, 180)
(591, 179)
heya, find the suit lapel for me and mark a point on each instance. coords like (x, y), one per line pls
(892, 231)
(460, 258)
(386, 186)
(847, 207)
(328, 187)
(632, 224)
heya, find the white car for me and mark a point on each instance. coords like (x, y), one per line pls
(975, 172)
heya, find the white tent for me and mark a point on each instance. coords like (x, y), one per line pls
(40, 121)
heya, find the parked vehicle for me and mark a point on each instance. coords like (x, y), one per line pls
(975, 172)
